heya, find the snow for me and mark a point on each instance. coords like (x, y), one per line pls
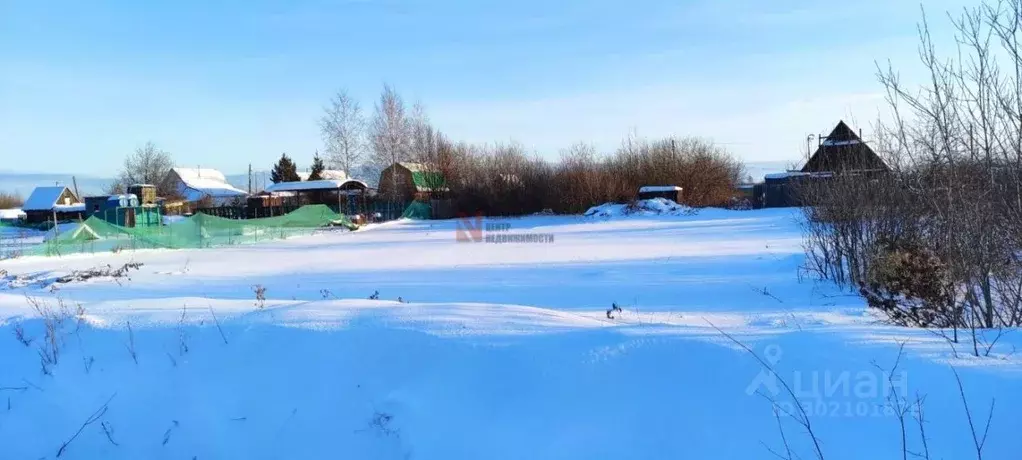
(829, 142)
(329, 174)
(43, 198)
(325, 184)
(498, 351)
(167, 220)
(75, 207)
(198, 183)
(651, 207)
(659, 188)
(11, 214)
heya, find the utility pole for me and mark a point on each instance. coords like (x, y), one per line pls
(809, 146)
(250, 178)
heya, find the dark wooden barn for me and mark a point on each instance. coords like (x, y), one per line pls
(843, 151)
(404, 182)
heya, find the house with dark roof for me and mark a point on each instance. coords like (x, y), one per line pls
(843, 151)
(47, 204)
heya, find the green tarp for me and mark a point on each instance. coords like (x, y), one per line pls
(418, 210)
(198, 231)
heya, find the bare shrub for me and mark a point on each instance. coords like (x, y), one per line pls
(10, 200)
(19, 334)
(936, 242)
(260, 295)
(54, 319)
(106, 271)
(504, 180)
(911, 285)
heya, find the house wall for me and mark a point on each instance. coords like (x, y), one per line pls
(67, 197)
(405, 188)
(170, 183)
(39, 217)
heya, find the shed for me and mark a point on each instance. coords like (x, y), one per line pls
(123, 210)
(347, 195)
(146, 193)
(48, 203)
(670, 192)
(411, 181)
(779, 189)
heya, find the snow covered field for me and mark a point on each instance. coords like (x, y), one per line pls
(493, 351)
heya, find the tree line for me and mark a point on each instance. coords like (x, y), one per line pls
(505, 179)
(498, 179)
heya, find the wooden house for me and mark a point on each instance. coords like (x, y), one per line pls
(843, 151)
(405, 182)
(203, 185)
(56, 203)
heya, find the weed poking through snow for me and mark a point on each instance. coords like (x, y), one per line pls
(19, 333)
(260, 295)
(131, 344)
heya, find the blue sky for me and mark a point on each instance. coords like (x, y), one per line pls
(226, 83)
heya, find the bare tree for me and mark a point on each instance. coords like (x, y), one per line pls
(390, 131)
(147, 165)
(343, 127)
(935, 243)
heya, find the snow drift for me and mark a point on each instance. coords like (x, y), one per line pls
(651, 207)
(476, 350)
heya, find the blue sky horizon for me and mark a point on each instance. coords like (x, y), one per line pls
(224, 84)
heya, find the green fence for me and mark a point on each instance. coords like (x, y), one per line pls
(197, 231)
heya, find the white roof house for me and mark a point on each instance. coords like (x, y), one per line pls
(196, 184)
(55, 198)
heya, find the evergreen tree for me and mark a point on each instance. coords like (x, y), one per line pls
(317, 168)
(284, 171)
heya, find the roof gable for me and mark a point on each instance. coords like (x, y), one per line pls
(844, 150)
(413, 167)
(45, 198)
